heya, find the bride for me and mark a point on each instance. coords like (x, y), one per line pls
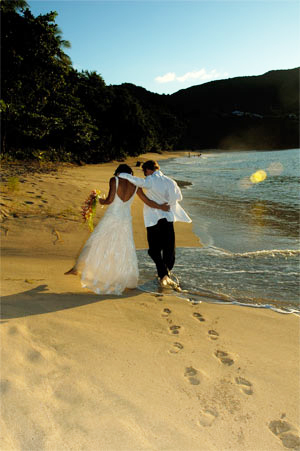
(108, 262)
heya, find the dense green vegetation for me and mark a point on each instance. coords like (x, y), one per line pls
(51, 111)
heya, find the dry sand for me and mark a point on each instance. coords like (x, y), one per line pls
(136, 372)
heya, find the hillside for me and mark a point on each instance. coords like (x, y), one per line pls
(275, 93)
(259, 112)
(255, 112)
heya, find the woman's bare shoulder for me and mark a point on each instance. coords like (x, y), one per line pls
(125, 182)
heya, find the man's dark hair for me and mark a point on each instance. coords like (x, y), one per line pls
(123, 168)
(150, 164)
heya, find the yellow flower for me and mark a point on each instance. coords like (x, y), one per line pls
(89, 208)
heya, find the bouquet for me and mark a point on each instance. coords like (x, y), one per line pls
(89, 208)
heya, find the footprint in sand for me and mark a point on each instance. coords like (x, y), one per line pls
(174, 329)
(34, 356)
(159, 296)
(166, 312)
(213, 334)
(4, 386)
(176, 348)
(13, 330)
(287, 433)
(207, 417)
(244, 385)
(191, 373)
(224, 358)
(198, 316)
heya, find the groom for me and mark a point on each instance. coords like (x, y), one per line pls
(159, 223)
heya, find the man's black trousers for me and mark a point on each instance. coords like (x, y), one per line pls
(161, 239)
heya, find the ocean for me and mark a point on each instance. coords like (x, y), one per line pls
(245, 211)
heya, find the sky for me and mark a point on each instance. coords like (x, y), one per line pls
(165, 46)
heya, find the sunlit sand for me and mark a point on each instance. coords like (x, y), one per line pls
(143, 371)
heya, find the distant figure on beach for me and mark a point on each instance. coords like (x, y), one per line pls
(108, 262)
(160, 223)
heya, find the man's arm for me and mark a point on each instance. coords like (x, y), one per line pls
(137, 181)
(151, 203)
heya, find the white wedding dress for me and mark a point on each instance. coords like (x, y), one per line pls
(108, 262)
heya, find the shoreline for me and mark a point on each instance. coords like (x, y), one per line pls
(51, 197)
(142, 371)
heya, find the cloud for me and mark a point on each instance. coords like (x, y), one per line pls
(200, 75)
(170, 76)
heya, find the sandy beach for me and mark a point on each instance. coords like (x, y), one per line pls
(141, 371)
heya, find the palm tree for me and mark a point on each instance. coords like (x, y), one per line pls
(13, 5)
(63, 44)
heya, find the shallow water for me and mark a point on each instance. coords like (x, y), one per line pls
(249, 278)
(250, 231)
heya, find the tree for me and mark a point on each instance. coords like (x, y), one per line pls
(13, 5)
(132, 131)
(34, 69)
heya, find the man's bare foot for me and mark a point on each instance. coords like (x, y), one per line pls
(72, 271)
(166, 282)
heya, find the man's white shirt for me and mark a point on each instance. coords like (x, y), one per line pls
(161, 189)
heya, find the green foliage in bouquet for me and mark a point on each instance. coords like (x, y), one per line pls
(89, 208)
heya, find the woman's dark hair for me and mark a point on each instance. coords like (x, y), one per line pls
(123, 168)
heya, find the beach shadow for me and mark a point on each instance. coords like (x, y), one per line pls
(38, 301)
